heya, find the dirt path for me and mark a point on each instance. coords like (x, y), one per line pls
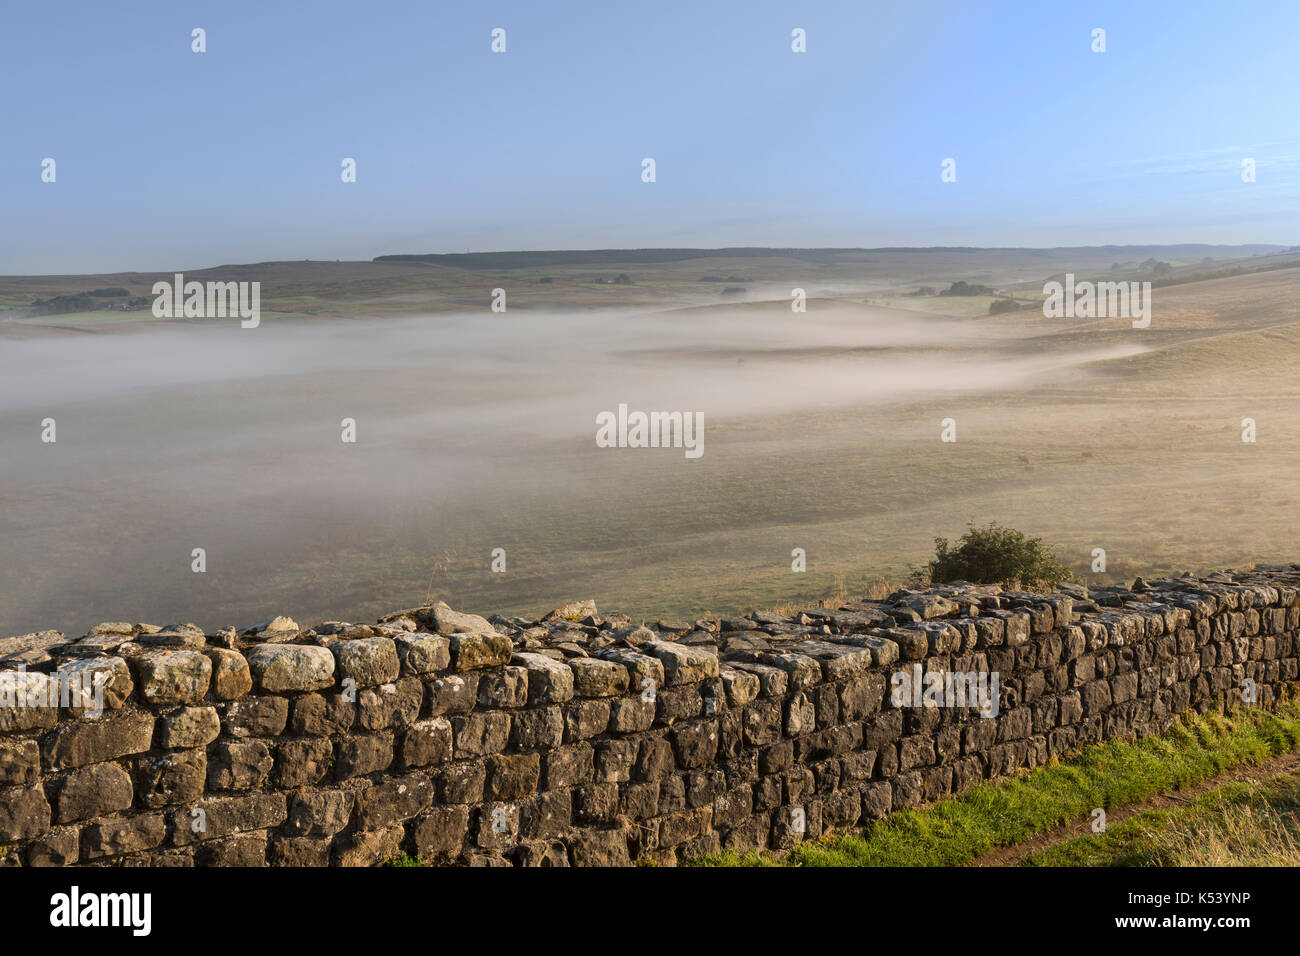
(1011, 855)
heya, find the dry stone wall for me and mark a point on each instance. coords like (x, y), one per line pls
(588, 739)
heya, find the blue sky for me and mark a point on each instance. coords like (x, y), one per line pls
(171, 159)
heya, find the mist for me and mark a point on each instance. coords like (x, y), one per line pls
(470, 429)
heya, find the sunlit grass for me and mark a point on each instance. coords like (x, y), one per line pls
(1241, 823)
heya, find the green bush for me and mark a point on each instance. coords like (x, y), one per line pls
(996, 555)
(999, 306)
(961, 287)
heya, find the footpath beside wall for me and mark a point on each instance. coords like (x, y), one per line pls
(584, 739)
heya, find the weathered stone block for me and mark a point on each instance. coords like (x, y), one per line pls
(761, 722)
(677, 828)
(800, 715)
(513, 776)
(549, 681)
(20, 762)
(278, 668)
(427, 743)
(683, 664)
(595, 804)
(87, 741)
(479, 733)
(423, 653)
(495, 826)
(257, 717)
(461, 782)
(188, 727)
(614, 760)
(448, 621)
(505, 688)
(645, 673)
(302, 763)
(569, 766)
(118, 835)
(585, 719)
(741, 687)
(679, 703)
(24, 813)
(296, 851)
(28, 701)
(215, 817)
(598, 678)
(453, 694)
(390, 705)
(319, 813)
(172, 677)
(30, 649)
(537, 728)
(60, 846)
(654, 759)
(361, 755)
(472, 651)
(231, 677)
(599, 848)
(318, 715)
(172, 778)
(632, 714)
(695, 744)
(244, 850)
(439, 835)
(238, 765)
(393, 801)
(105, 682)
(367, 662)
(546, 816)
(369, 848)
(838, 661)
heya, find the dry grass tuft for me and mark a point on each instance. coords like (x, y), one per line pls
(1263, 834)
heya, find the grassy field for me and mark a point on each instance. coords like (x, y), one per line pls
(1237, 823)
(823, 433)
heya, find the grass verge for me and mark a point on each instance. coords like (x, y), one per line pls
(1242, 823)
(1007, 812)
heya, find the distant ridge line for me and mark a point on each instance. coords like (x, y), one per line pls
(588, 257)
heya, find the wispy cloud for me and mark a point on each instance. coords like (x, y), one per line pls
(1280, 159)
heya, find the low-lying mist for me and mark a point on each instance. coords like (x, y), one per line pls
(473, 431)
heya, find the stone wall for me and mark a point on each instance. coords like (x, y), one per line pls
(586, 739)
